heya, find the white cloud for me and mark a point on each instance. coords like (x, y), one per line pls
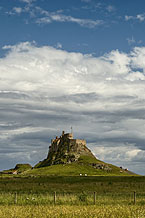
(131, 40)
(110, 8)
(27, 1)
(128, 17)
(132, 153)
(57, 17)
(17, 10)
(42, 16)
(139, 17)
(102, 97)
(126, 156)
(45, 20)
(86, 1)
(49, 62)
(59, 45)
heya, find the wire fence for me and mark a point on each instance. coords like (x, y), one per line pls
(82, 198)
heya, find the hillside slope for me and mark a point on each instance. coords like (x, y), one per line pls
(84, 166)
(70, 157)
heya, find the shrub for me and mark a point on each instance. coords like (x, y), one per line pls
(82, 197)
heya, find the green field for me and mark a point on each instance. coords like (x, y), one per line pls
(33, 196)
(72, 190)
(72, 184)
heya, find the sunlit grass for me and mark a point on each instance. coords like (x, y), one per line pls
(74, 197)
(43, 211)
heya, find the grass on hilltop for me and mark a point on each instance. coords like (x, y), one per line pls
(82, 166)
(73, 169)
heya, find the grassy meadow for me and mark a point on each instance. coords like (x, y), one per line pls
(33, 196)
(71, 184)
(59, 191)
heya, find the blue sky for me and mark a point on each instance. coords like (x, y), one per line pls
(82, 26)
(73, 63)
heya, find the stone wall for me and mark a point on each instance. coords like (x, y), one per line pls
(55, 143)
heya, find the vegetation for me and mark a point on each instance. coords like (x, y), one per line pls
(23, 167)
(42, 211)
(20, 168)
(33, 196)
(67, 191)
(86, 164)
(72, 184)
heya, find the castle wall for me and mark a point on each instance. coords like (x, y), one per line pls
(77, 141)
(81, 141)
(67, 136)
(73, 145)
(54, 145)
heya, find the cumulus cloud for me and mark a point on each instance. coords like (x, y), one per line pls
(133, 158)
(44, 90)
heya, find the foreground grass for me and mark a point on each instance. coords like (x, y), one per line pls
(74, 197)
(72, 211)
(78, 199)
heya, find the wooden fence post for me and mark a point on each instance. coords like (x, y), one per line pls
(134, 197)
(94, 198)
(54, 197)
(16, 198)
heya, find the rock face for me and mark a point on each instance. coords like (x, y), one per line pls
(66, 149)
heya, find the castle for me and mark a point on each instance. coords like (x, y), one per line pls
(65, 149)
(66, 138)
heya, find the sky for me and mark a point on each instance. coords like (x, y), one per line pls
(78, 63)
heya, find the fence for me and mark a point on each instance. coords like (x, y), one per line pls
(83, 198)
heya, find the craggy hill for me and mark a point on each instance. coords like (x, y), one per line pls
(69, 157)
(65, 150)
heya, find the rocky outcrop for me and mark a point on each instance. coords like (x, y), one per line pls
(100, 166)
(65, 149)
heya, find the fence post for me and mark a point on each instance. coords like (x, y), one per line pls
(134, 197)
(15, 197)
(54, 197)
(94, 198)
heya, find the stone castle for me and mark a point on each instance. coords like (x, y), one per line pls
(74, 145)
(65, 149)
